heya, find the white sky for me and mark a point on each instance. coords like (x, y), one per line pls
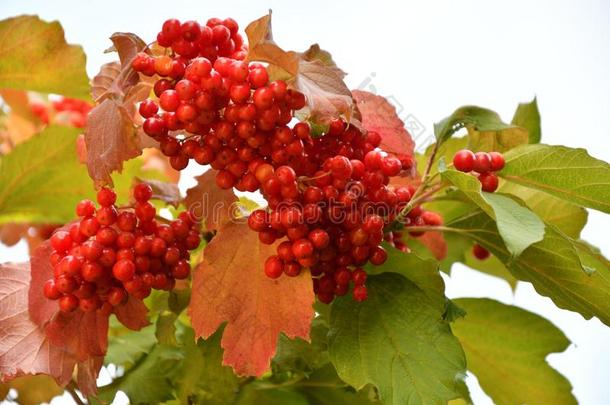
(431, 57)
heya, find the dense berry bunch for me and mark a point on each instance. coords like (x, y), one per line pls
(111, 253)
(64, 110)
(225, 110)
(332, 204)
(329, 197)
(483, 163)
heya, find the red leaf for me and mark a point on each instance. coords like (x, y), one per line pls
(41, 309)
(24, 348)
(210, 204)
(86, 377)
(133, 314)
(111, 139)
(436, 244)
(230, 285)
(380, 116)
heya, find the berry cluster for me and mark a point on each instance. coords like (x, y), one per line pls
(112, 252)
(486, 164)
(329, 198)
(332, 203)
(64, 110)
(228, 112)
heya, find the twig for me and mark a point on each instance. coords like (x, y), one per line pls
(71, 388)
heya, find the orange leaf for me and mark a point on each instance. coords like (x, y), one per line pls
(230, 285)
(210, 204)
(380, 116)
(263, 48)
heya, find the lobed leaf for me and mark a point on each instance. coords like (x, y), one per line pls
(397, 341)
(256, 311)
(380, 116)
(477, 118)
(34, 56)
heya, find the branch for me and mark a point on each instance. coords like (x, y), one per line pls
(71, 388)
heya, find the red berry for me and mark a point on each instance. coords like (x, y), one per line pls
(142, 192)
(489, 182)
(497, 161)
(378, 256)
(85, 208)
(359, 276)
(480, 252)
(482, 162)
(68, 303)
(319, 238)
(61, 241)
(124, 270)
(273, 267)
(391, 166)
(286, 175)
(463, 161)
(360, 293)
(373, 224)
(302, 248)
(106, 197)
(51, 291)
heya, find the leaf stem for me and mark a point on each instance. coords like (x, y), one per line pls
(419, 194)
(71, 388)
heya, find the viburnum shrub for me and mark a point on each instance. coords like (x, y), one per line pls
(324, 285)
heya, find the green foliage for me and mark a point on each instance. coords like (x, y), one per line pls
(399, 343)
(528, 117)
(200, 378)
(477, 118)
(126, 347)
(506, 348)
(570, 174)
(518, 226)
(41, 180)
(552, 265)
(567, 217)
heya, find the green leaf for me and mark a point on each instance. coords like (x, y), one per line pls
(567, 217)
(527, 116)
(41, 180)
(499, 141)
(250, 395)
(453, 311)
(591, 258)
(397, 341)
(294, 355)
(518, 226)
(126, 348)
(506, 349)
(34, 56)
(421, 272)
(324, 387)
(148, 380)
(166, 329)
(570, 174)
(551, 265)
(480, 119)
(200, 378)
